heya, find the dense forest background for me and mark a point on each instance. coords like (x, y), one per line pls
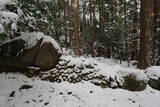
(119, 29)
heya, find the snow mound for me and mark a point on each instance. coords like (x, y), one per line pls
(138, 74)
(153, 72)
(79, 61)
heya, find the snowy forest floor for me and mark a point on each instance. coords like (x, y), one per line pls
(84, 94)
(17, 90)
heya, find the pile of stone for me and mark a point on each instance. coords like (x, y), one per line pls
(71, 72)
(66, 71)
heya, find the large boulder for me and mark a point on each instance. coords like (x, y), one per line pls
(30, 49)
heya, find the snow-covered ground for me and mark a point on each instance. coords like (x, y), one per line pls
(83, 94)
(17, 90)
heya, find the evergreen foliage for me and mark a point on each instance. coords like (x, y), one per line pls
(107, 28)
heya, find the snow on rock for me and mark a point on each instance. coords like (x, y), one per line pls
(47, 39)
(153, 72)
(31, 40)
(79, 61)
(77, 69)
(72, 70)
(30, 49)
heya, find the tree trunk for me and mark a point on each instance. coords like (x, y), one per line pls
(157, 29)
(65, 26)
(76, 21)
(134, 55)
(92, 25)
(147, 32)
(84, 28)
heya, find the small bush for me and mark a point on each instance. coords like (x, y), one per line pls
(133, 84)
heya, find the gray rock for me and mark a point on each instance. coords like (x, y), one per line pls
(154, 84)
(153, 74)
(30, 49)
